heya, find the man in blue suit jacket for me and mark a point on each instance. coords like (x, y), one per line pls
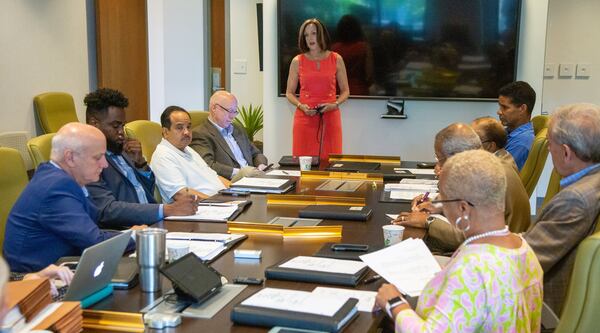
(124, 194)
(53, 217)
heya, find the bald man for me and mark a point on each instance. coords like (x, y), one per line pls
(54, 217)
(224, 145)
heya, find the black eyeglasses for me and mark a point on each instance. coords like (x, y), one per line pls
(451, 200)
(234, 112)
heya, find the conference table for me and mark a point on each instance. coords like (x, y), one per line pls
(274, 250)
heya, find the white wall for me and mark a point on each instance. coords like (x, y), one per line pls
(44, 47)
(364, 131)
(573, 37)
(176, 55)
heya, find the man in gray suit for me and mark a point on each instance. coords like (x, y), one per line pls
(571, 216)
(124, 195)
(224, 145)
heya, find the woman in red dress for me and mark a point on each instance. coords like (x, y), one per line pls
(318, 71)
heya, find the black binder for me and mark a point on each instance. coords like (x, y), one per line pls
(327, 252)
(353, 166)
(258, 316)
(291, 274)
(336, 212)
(294, 161)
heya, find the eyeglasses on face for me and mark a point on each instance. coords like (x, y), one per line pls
(441, 202)
(231, 112)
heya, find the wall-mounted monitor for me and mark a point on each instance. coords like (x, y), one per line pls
(415, 49)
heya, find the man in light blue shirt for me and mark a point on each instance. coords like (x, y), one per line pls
(516, 101)
(224, 145)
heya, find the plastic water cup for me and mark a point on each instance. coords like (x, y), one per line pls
(176, 251)
(392, 234)
(305, 163)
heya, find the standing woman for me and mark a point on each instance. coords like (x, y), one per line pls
(318, 71)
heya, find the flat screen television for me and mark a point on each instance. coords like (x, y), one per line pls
(414, 49)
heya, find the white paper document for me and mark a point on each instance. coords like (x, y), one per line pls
(213, 212)
(285, 173)
(409, 265)
(417, 171)
(411, 187)
(297, 301)
(205, 250)
(324, 265)
(260, 182)
(392, 216)
(432, 182)
(201, 236)
(404, 195)
(366, 299)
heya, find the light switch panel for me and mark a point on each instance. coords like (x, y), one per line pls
(240, 66)
(583, 70)
(549, 70)
(566, 70)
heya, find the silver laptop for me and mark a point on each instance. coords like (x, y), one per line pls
(97, 266)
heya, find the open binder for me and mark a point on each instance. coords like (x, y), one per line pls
(277, 272)
(253, 315)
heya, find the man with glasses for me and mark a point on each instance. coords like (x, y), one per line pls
(124, 195)
(224, 145)
(572, 214)
(179, 170)
(441, 235)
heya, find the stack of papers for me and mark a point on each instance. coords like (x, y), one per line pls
(296, 301)
(366, 299)
(416, 171)
(409, 190)
(263, 185)
(431, 182)
(205, 246)
(285, 173)
(409, 265)
(327, 265)
(214, 212)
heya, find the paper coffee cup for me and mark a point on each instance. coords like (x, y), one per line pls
(305, 163)
(176, 251)
(392, 234)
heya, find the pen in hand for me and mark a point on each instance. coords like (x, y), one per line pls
(372, 279)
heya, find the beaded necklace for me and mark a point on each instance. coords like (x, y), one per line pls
(500, 232)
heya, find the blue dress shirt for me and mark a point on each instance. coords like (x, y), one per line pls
(577, 175)
(227, 134)
(519, 143)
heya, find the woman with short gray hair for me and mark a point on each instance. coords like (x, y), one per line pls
(493, 282)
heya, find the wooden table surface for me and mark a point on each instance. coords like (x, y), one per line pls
(274, 249)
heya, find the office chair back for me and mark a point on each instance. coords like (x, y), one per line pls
(17, 140)
(534, 165)
(539, 123)
(148, 133)
(582, 305)
(13, 180)
(54, 109)
(40, 148)
(553, 187)
(198, 117)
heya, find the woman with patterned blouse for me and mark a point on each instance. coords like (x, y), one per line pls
(493, 282)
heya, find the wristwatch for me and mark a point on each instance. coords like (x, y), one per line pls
(392, 303)
(429, 220)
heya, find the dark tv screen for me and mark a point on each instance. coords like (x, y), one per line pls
(415, 49)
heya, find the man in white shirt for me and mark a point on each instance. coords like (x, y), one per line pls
(177, 167)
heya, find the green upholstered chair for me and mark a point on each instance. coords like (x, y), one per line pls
(534, 165)
(54, 109)
(40, 148)
(198, 117)
(148, 133)
(13, 180)
(582, 305)
(539, 123)
(553, 187)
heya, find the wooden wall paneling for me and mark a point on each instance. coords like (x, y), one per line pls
(217, 37)
(122, 52)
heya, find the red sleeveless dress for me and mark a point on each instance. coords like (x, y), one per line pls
(317, 86)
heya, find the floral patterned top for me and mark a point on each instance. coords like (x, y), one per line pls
(484, 288)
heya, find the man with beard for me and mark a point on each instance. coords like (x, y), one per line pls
(124, 195)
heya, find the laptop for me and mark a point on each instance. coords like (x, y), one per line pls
(96, 267)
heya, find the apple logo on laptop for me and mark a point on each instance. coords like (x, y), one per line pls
(98, 270)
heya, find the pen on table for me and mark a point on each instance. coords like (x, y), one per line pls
(268, 167)
(372, 279)
(285, 172)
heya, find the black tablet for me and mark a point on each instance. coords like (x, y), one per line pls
(193, 278)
